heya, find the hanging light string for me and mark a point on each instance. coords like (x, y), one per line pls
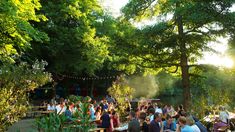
(88, 78)
(61, 77)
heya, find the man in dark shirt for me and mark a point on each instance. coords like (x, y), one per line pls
(105, 120)
(133, 125)
(156, 124)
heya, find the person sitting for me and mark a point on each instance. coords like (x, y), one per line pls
(183, 127)
(98, 113)
(171, 111)
(151, 114)
(105, 120)
(143, 122)
(92, 112)
(169, 124)
(133, 125)
(115, 119)
(200, 125)
(51, 107)
(68, 113)
(158, 109)
(190, 121)
(223, 119)
(156, 124)
(72, 107)
(60, 108)
(180, 112)
(105, 105)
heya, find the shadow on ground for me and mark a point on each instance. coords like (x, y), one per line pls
(25, 125)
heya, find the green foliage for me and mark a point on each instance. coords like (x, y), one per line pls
(75, 46)
(16, 82)
(79, 122)
(122, 94)
(211, 88)
(74, 99)
(15, 30)
(51, 123)
(159, 43)
(181, 33)
(84, 124)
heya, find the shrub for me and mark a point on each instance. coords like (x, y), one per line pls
(15, 82)
(122, 94)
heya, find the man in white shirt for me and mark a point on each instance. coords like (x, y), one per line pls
(60, 108)
(223, 115)
(51, 107)
(223, 119)
(158, 109)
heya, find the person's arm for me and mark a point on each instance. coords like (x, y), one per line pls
(161, 126)
(177, 128)
(111, 124)
(118, 120)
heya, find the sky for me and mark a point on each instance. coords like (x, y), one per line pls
(219, 59)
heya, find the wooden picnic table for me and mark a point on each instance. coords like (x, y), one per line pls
(35, 111)
(97, 130)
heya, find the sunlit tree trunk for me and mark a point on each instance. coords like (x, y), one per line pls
(183, 62)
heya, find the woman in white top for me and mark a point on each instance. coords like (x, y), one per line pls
(51, 107)
(190, 121)
(223, 115)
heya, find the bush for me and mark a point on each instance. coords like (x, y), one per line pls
(15, 82)
(122, 94)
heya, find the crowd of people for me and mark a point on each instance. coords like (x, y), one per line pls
(147, 117)
(103, 114)
(153, 118)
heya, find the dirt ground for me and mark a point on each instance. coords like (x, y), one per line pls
(25, 125)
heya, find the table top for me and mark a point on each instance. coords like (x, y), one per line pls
(123, 127)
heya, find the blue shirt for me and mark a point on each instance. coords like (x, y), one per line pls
(171, 127)
(92, 112)
(186, 128)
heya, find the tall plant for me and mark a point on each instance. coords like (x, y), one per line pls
(52, 123)
(122, 93)
(82, 118)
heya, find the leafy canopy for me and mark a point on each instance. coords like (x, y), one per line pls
(16, 32)
(203, 21)
(75, 46)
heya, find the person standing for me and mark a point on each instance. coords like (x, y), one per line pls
(169, 124)
(183, 127)
(190, 121)
(133, 125)
(156, 124)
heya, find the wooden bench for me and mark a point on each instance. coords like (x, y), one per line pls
(35, 111)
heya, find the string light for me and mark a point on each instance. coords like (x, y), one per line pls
(92, 78)
(89, 78)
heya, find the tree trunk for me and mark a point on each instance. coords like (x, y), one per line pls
(183, 62)
(92, 88)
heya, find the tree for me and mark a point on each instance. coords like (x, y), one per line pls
(181, 33)
(75, 47)
(16, 82)
(16, 32)
(17, 77)
(213, 87)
